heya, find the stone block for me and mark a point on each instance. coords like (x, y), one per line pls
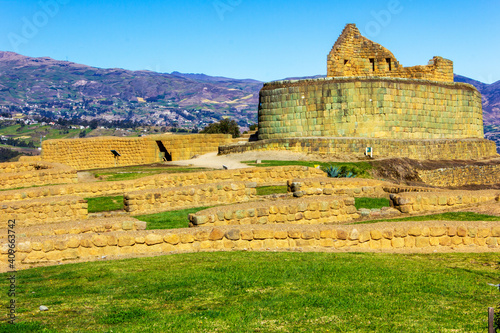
(376, 234)
(126, 240)
(247, 235)
(233, 234)
(461, 231)
(263, 234)
(100, 240)
(173, 239)
(438, 231)
(281, 234)
(398, 242)
(414, 231)
(185, 238)
(216, 234)
(341, 234)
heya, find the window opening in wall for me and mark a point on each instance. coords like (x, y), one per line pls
(372, 61)
(389, 62)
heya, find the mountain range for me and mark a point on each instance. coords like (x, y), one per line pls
(44, 81)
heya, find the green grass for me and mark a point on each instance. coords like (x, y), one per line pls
(104, 204)
(261, 292)
(135, 172)
(371, 203)
(362, 168)
(266, 190)
(169, 220)
(448, 216)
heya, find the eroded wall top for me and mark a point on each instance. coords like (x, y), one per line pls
(354, 55)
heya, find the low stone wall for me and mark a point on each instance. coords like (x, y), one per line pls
(262, 176)
(380, 237)
(463, 175)
(353, 187)
(430, 149)
(160, 200)
(25, 174)
(90, 225)
(412, 203)
(325, 210)
(43, 211)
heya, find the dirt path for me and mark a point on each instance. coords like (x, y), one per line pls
(233, 161)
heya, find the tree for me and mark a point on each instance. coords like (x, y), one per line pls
(224, 126)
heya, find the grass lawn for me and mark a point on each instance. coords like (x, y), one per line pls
(370, 203)
(266, 190)
(261, 292)
(104, 204)
(134, 172)
(362, 168)
(448, 216)
(169, 220)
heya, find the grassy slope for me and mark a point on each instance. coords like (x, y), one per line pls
(264, 292)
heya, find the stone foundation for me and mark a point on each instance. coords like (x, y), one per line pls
(461, 176)
(326, 210)
(43, 211)
(424, 237)
(160, 200)
(26, 174)
(438, 149)
(262, 176)
(420, 203)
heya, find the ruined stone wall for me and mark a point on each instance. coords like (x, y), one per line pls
(353, 187)
(26, 174)
(261, 176)
(426, 237)
(160, 200)
(93, 153)
(462, 175)
(354, 55)
(326, 210)
(43, 211)
(444, 149)
(369, 108)
(420, 203)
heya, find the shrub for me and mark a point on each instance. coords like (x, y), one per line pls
(224, 126)
(343, 171)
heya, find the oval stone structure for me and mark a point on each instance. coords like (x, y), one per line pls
(370, 107)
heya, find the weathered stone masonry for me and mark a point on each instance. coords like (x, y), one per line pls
(371, 108)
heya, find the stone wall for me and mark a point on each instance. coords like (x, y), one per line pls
(419, 203)
(326, 210)
(462, 175)
(93, 153)
(160, 200)
(26, 174)
(353, 187)
(43, 211)
(184, 147)
(425, 237)
(355, 55)
(370, 108)
(74, 227)
(262, 176)
(437, 149)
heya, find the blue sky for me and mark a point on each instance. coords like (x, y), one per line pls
(264, 40)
